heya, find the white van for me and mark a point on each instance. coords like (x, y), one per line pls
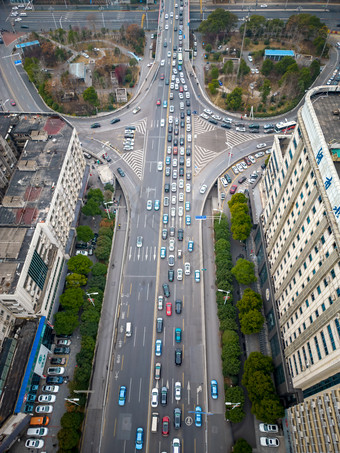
(128, 329)
(154, 422)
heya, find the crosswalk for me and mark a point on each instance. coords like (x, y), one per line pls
(143, 254)
(225, 138)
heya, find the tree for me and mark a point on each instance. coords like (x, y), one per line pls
(91, 208)
(80, 264)
(267, 67)
(244, 68)
(90, 95)
(219, 23)
(212, 88)
(72, 299)
(229, 336)
(265, 90)
(99, 269)
(68, 438)
(231, 367)
(214, 72)
(257, 362)
(241, 226)
(315, 69)
(208, 48)
(103, 248)
(235, 395)
(239, 208)
(235, 415)
(65, 322)
(75, 280)
(282, 65)
(242, 446)
(106, 231)
(250, 301)
(234, 99)
(98, 281)
(72, 420)
(243, 271)
(228, 67)
(251, 322)
(268, 409)
(237, 198)
(84, 233)
(96, 195)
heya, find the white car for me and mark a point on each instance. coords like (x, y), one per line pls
(149, 205)
(250, 58)
(166, 16)
(269, 442)
(173, 212)
(188, 127)
(187, 95)
(174, 163)
(162, 122)
(171, 14)
(160, 302)
(55, 370)
(171, 245)
(172, 86)
(189, 138)
(172, 108)
(44, 409)
(154, 397)
(162, 62)
(181, 151)
(50, 388)
(180, 95)
(187, 268)
(160, 166)
(174, 71)
(252, 159)
(171, 260)
(208, 111)
(216, 117)
(166, 27)
(235, 170)
(239, 167)
(178, 391)
(181, 184)
(171, 120)
(204, 115)
(265, 428)
(264, 5)
(260, 154)
(34, 443)
(179, 274)
(180, 211)
(38, 432)
(188, 162)
(224, 182)
(203, 188)
(47, 398)
(188, 188)
(18, 19)
(261, 145)
(181, 196)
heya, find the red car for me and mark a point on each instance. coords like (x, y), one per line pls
(175, 150)
(162, 76)
(13, 103)
(168, 309)
(158, 102)
(233, 189)
(247, 161)
(165, 426)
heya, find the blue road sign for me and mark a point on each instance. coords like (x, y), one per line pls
(18, 62)
(200, 217)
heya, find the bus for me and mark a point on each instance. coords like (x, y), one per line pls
(180, 59)
(285, 127)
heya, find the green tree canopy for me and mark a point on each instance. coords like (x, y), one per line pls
(106, 231)
(103, 248)
(239, 208)
(72, 420)
(65, 322)
(256, 362)
(220, 21)
(99, 269)
(68, 438)
(237, 198)
(90, 95)
(91, 208)
(243, 271)
(229, 336)
(231, 367)
(235, 415)
(228, 67)
(241, 226)
(250, 301)
(251, 322)
(75, 280)
(84, 233)
(242, 446)
(235, 395)
(80, 264)
(96, 195)
(244, 68)
(265, 89)
(234, 99)
(267, 67)
(72, 299)
(268, 409)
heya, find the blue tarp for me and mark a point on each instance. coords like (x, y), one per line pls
(279, 53)
(30, 364)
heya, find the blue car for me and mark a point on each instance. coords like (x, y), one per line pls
(158, 348)
(157, 205)
(198, 416)
(191, 246)
(220, 83)
(168, 160)
(165, 219)
(165, 103)
(214, 389)
(163, 252)
(122, 396)
(139, 438)
(188, 220)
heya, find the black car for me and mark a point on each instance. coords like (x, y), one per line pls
(164, 396)
(178, 357)
(176, 131)
(171, 275)
(94, 240)
(181, 171)
(226, 126)
(164, 234)
(181, 141)
(51, 380)
(188, 151)
(187, 102)
(182, 115)
(95, 125)
(159, 325)
(180, 234)
(166, 291)
(177, 417)
(170, 129)
(182, 124)
(228, 178)
(169, 138)
(242, 179)
(121, 172)
(188, 112)
(58, 361)
(212, 121)
(175, 141)
(115, 120)
(80, 246)
(62, 350)
(263, 166)
(178, 306)
(188, 176)
(167, 187)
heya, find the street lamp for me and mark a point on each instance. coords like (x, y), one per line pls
(106, 204)
(232, 404)
(227, 297)
(90, 298)
(72, 400)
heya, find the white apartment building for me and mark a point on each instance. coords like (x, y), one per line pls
(36, 213)
(301, 223)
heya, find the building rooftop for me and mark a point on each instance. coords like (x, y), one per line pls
(281, 53)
